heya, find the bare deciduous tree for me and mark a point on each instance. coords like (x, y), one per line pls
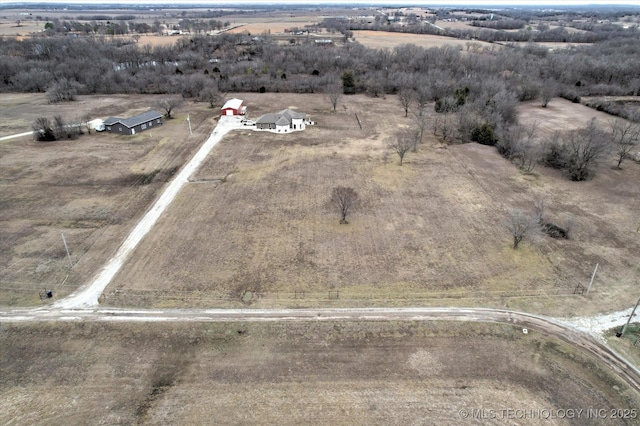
(406, 96)
(169, 104)
(345, 199)
(211, 95)
(401, 143)
(59, 127)
(63, 91)
(584, 148)
(420, 120)
(413, 136)
(517, 144)
(334, 93)
(422, 97)
(42, 130)
(443, 127)
(521, 225)
(548, 91)
(625, 135)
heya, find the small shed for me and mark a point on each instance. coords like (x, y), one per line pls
(234, 107)
(133, 125)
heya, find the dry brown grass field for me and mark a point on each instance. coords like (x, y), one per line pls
(389, 40)
(92, 188)
(297, 373)
(272, 24)
(628, 345)
(255, 228)
(256, 23)
(11, 28)
(275, 22)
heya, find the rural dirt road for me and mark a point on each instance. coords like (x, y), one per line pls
(532, 323)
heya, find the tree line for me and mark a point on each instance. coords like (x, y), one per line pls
(239, 62)
(499, 27)
(118, 26)
(476, 90)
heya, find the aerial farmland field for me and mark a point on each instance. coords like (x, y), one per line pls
(290, 373)
(199, 273)
(91, 189)
(255, 227)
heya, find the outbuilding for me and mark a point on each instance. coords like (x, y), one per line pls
(234, 107)
(133, 125)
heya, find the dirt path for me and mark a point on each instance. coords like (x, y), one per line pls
(88, 295)
(598, 324)
(19, 135)
(549, 326)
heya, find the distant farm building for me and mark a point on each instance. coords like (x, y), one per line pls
(133, 125)
(282, 122)
(233, 107)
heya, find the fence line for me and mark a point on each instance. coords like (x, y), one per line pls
(125, 296)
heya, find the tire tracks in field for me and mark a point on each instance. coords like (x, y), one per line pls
(567, 332)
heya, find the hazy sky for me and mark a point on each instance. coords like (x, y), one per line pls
(557, 3)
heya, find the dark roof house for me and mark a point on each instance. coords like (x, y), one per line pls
(133, 125)
(281, 122)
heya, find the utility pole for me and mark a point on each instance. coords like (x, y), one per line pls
(67, 249)
(189, 121)
(592, 277)
(621, 332)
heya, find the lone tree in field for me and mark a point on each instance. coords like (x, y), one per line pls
(625, 136)
(334, 93)
(548, 90)
(521, 225)
(345, 199)
(402, 143)
(168, 106)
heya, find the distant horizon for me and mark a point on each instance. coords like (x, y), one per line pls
(414, 3)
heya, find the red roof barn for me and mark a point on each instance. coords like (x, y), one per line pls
(233, 107)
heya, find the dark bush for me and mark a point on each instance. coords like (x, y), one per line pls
(484, 135)
(46, 135)
(554, 155)
(570, 95)
(554, 231)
